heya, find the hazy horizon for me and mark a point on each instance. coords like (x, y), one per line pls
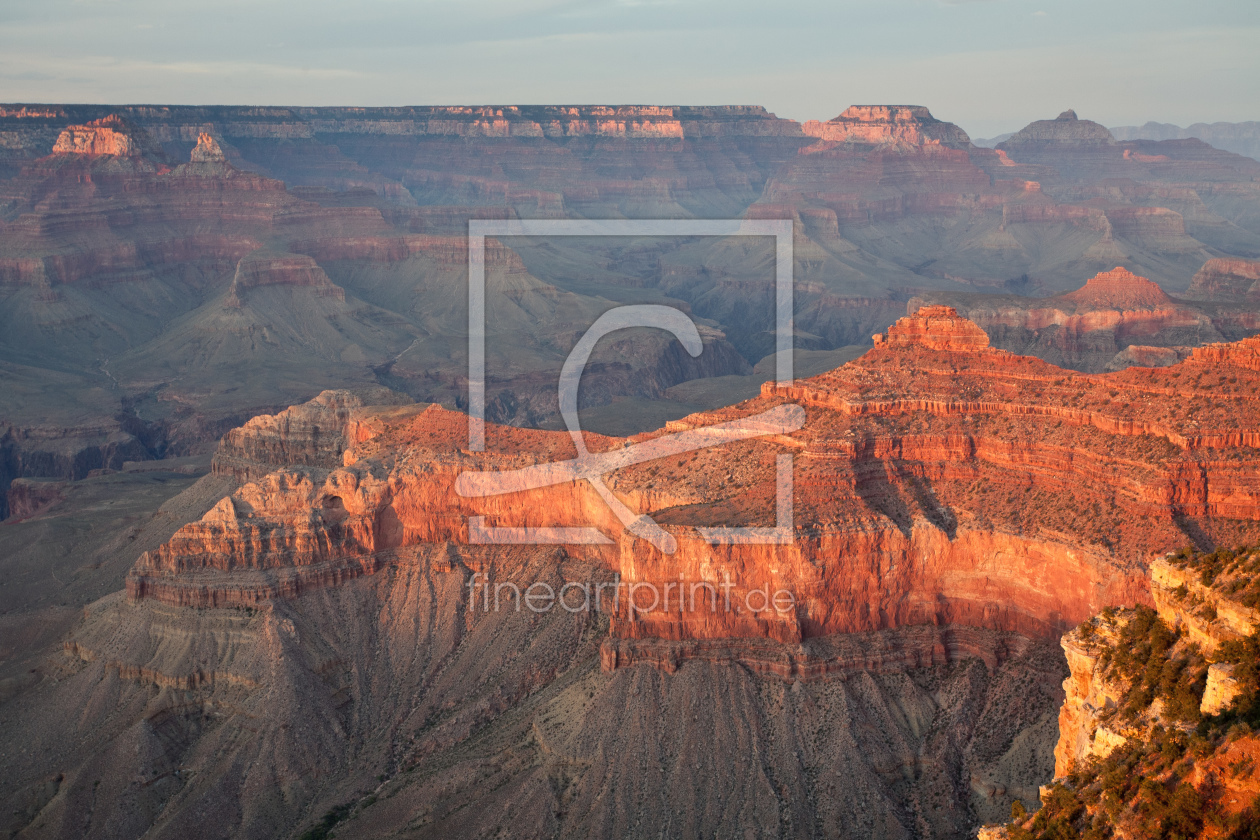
(991, 66)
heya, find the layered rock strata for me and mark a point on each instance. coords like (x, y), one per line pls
(1230, 280)
(879, 125)
(1202, 613)
(1116, 320)
(111, 135)
(1153, 730)
(1065, 129)
(948, 508)
(913, 505)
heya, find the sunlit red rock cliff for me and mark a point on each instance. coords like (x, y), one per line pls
(943, 481)
(952, 504)
(217, 626)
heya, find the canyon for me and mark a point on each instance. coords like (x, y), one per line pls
(241, 579)
(322, 639)
(152, 258)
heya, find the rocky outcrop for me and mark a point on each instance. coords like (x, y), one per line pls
(904, 482)
(1145, 713)
(270, 269)
(1064, 130)
(1203, 612)
(314, 434)
(1116, 320)
(207, 150)
(883, 125)
(1088, 696)
(60, 453)
(28, 497)
(1231, 280)
(935, 328)
(1239, 354)
(1141, 355)
(111, 135)
(1222, 689)
(1118, 289)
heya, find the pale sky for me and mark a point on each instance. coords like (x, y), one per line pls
(988, 65)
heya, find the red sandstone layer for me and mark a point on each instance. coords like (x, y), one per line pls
(936, 482)
(888, 124)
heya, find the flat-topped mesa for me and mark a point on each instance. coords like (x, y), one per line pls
(112, 135)
(935, 328)
(1119, 289)
(1064, 130)
(557, 121)
(879, 125)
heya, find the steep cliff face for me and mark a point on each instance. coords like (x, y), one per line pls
(1156, 729)
(1088, 696)
(111, 135)
(905, 478)
(337, 603)
(312, 434)
(1231, 280)
(1209, 603)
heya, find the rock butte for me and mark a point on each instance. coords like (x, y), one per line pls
(937, 481)
(1119, 289)
(1066, 128)
(1117, 319)
(877, 125)
(110, 135)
